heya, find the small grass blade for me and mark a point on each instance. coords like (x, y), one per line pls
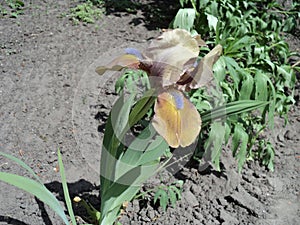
(65, 188)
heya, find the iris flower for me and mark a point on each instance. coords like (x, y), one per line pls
(172, 60)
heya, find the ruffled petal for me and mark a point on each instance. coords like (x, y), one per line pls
(170, 53)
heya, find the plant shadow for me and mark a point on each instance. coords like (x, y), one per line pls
(154, 13)
(82, 188)
(10, 220)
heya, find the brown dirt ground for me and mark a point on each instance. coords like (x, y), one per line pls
(51, 98)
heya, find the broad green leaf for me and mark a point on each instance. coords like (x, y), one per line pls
(172, 197)
(162, 195)
(124, 189)
(247, 87)
(120, 116)
(131, 168)
(141, 152)
(240, 140)
(142, 107)
(116, 126)
(184, 19)
(220, 69)
(233, 69)
(36, 189)
(213, 146)
(261, 87)
(212, 21)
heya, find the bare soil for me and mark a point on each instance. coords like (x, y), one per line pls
(51, 98)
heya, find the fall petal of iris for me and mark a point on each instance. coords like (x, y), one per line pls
(176, 119)
(123, 61)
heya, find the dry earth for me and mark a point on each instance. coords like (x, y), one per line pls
(51, 98)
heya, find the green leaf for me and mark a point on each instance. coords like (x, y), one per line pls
(232, 108)
(172, 197)
(115, 129)
(162, 195)
(213, 145)
(120, 116)
(36, 189)
(261, 87)
(177, 190)
(142, 107)
(247, 87)
(184, 19)
(22, 164)
(122, 176)
(240, 140)
(212, 21)
(65, 188)
(233, 69)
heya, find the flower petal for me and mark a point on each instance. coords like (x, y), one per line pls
(203, 73)
(170, 53)
(176, 119)
(123, 61)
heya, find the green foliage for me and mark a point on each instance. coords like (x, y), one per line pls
(125, 167)
(11, 8)
(168, 194)
(132, 80)
(87, 12)
(254, 66)
(65, 187)
(33, 186)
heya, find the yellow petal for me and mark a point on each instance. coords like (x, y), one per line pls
(176, 119)
(123, 61)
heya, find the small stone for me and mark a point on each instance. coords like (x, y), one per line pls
(228, 219)
(223, 201)
(150, 213)
(280, 137)
(190, 198)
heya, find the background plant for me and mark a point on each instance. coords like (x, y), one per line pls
(86, 12)
(255, 65)
(11, 8)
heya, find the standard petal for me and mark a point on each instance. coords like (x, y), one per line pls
(176, 119)
(203, 73)
(170, 53)
(123, 61)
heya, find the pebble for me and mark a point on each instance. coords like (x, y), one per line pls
(190, 198)
(228, 219)
(280, 137)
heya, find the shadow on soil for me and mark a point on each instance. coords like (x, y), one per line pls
(154, 13)
(10, 220)
(82, 188)
(86, 190)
